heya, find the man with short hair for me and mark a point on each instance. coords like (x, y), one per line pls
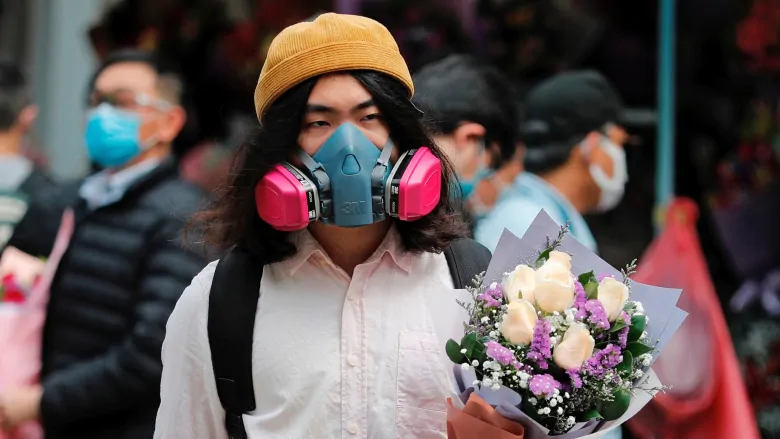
(575, 162)
(125, 267)
(471, 109)
(19, 178)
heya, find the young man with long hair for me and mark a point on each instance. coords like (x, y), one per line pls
(339, 220)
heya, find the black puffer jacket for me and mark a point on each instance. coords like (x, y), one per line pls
(110, 300)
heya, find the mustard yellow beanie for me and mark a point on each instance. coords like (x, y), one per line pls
(331, 43)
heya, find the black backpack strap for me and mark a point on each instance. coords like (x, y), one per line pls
(235, 291)
(466, 259)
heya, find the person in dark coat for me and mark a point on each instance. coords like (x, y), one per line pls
(19, 177)
(126, 265)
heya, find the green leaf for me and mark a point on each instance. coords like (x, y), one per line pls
(627, 365)
(638, 324)
(592, 290)
(612, 410)
(468, 343)
(637, 348)
(585, 278)
(479, 352)
(590, 414)
(453, 351)
(617, 325)
(544, 256)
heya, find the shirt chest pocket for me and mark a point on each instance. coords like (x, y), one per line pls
(421, 410)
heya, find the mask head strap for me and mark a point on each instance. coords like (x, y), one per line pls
(320, 178)
(379, 178)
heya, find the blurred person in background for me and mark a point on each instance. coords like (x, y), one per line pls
(574, 162)
(19, 177)
(471, 110)
(125, 267)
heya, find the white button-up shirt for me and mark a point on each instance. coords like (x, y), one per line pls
(333, 356)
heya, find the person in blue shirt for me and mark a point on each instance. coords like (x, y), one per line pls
(574, 161)
(471, 111)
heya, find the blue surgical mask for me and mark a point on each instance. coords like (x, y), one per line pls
(112, 136)
(468, 186)
(350, 159)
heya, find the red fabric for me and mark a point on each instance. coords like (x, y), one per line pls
(708, 398)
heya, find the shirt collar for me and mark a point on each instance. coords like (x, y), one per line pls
(535, 185)
(536, 188)
(128, 176)
(308, 247)
(104, 187)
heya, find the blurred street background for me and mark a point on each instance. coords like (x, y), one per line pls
(724, 142)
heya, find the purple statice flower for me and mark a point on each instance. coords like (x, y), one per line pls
(576, 379)
(540, 350)
(603, 360)
(623, 337)
(543, 386)
(580, 296)
(594, 312)
(502, 354)
(601, 277)
(593, 367)
(611, 356)
(623, 333)
(495, 290)
(492, 295)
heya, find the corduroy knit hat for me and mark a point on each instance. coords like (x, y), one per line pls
(331, 43)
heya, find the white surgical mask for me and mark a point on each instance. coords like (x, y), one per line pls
(612, 188)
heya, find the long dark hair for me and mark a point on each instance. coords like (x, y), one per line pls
(232, 219)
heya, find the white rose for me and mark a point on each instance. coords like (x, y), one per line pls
(519, 322)
(575, 348)
(613, 295)
(560, 258)
(554, 285)
(521, 281)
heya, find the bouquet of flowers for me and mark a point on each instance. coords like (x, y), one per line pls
(561, 343)
(22, 315)
(19, 273)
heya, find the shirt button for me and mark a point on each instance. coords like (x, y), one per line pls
(352, 360)
(352, 428)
